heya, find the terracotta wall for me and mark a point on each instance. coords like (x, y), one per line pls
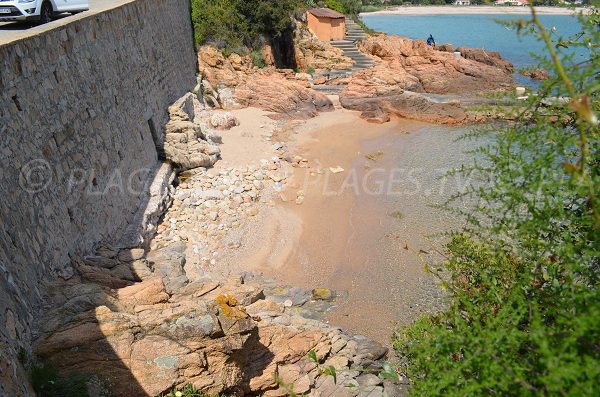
(327, 29)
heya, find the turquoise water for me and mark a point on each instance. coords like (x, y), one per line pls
(479, 31)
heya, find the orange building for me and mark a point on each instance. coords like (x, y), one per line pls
(327, 24)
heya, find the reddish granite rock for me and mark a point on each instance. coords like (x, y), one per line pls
(288, 99)
(438, 72)
(491, 58)
(216, 69)
(408, 105)
(408, 70)
(536, 74)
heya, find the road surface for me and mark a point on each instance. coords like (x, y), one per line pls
(12, 31)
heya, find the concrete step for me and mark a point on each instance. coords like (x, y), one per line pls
(328, 89)
(334, 74)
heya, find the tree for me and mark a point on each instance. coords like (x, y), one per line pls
(233, 24)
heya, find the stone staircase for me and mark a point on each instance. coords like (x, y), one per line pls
(354, 34)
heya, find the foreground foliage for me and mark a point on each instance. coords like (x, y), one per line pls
(523, 276)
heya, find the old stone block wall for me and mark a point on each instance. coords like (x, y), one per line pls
(82, 110)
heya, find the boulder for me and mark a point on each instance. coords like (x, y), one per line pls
(408, 105)
(216, 69)
(287, 99)
(223, 120)
(185, 144)
(536, 74)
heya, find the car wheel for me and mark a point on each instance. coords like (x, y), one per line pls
(46, 13)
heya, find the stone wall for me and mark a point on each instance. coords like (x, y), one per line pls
(82, 113)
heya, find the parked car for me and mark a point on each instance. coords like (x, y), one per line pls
(39, 10)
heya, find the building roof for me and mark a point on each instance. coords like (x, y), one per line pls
(326, 13)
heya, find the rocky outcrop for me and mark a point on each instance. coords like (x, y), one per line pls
(287, 99)
(230, 83)
(406, 104)
(492, 58)
(416, 81)
(234, 336)
(186, 145)
(439, 72)
(218, 70)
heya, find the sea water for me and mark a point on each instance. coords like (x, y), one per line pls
(479, 31)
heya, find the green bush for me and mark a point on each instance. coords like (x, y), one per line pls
(524, 317)
(348, 7)
(258, 59)
(47, 383)
(334, 5)
(186, 391)
(235, 24)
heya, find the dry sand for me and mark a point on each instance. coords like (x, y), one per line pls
(439, 10)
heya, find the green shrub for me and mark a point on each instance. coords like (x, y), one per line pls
(258, 59)
(524, 316)
(310, 70)
(47, 383)
(335, 5)
(186, 391)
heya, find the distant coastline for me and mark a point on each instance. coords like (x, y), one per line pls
(440, 10)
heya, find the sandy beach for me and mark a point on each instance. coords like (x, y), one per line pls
(340, 238)
(440, 10)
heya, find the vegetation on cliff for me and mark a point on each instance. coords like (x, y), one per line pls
(236, 24)
(523, 277)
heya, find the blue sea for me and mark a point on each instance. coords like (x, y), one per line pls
(481, 31)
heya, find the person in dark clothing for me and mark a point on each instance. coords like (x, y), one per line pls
(431, 40)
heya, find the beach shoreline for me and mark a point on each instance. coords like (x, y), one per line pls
(462, 10)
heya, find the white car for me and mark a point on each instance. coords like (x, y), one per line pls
(39, 10)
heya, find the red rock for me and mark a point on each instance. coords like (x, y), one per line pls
(407, 68)
(439, 72)
(536, 74)
(320, 80)
(286, 98)
(148, 292)
(377, 116)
